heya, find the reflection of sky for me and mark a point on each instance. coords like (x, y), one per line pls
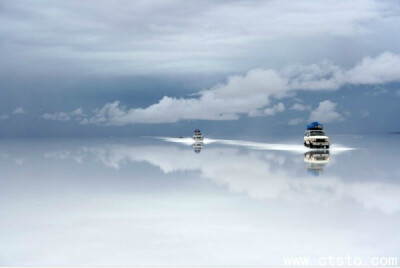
(150, 202)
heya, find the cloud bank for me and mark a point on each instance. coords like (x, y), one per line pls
(256, 94)
(124, 37)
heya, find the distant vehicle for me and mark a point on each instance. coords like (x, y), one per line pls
(197, 135)
(315, 137)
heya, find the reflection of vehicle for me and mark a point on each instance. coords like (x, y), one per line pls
(316, 161)
(315, 137)
(197, 135)
(197, 146)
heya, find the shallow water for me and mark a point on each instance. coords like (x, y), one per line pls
(167, 201)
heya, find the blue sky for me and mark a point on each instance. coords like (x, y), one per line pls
(73, 68)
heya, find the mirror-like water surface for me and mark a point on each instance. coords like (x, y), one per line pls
(169, 201)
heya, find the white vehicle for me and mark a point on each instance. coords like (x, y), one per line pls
(316, 161)
(197, 135)
(316, 139)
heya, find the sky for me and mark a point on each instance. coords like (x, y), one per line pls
(89, 68)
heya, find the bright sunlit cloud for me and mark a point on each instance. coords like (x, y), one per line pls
(253, 93)
(326, 112)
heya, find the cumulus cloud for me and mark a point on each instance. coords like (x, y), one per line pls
(326, 112)
(253, 94)
(19, 110)
(300, 107)
(275, 109)
(63, 116)
(240, 95)
(382, 69)
(78, 112)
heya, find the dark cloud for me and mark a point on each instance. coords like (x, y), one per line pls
(142, 37)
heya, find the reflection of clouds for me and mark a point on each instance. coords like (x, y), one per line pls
(259, 174)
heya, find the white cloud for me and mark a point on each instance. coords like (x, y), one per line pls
(19, 110)
(321, 76)
(326, 113)
(240, 95)
(78, 112)
(300, 107)
(63, 116)
(252, 94)
(4, 117)
(295, 121)
(382, 69)
(275, 109)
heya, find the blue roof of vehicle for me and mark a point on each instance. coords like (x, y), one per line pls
(314, 125)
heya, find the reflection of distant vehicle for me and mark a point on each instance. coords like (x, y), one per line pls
(315, 137)
(197, 146)
(316, 161)
(197, 135)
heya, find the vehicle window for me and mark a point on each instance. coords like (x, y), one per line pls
(317, 133)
